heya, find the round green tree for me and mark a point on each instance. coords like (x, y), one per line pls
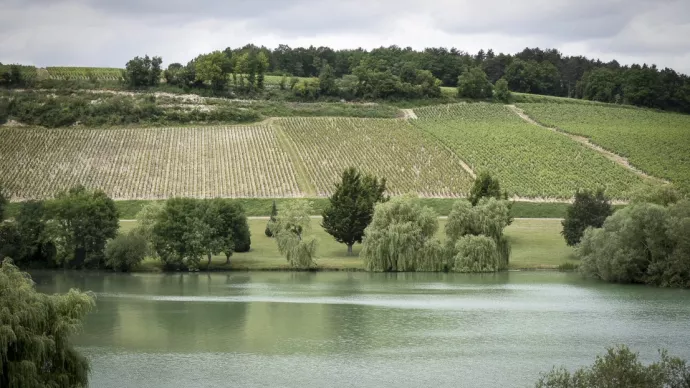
(589, 210)
(473, 83)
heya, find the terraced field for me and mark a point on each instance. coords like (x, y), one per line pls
(530, 161)
(657, 143)
(410, 160)
(230, 161)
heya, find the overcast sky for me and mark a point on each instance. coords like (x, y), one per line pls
(110, 32)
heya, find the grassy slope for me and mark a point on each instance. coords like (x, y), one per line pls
(535, 244)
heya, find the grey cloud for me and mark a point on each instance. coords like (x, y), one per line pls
(108, 33)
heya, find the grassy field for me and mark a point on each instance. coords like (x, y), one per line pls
(535, 244)
(253, 207)
(530, 161)
(657, 143)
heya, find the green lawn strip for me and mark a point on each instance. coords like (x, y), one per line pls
(535, 244)
(255, 207)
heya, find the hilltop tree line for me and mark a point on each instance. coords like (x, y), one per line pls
(403, 72)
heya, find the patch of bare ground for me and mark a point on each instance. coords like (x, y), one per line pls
(408, 114)
(13, 123)
(585, 141)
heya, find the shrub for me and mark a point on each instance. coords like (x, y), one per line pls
(501, 91)
(485, 186)
(476, 254)
(620, 367)
(642, 243)
(473, 83)
(588, 210)
(125, 251)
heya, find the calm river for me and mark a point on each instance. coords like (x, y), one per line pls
(279, 329)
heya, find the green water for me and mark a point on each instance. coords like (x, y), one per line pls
(361, 330)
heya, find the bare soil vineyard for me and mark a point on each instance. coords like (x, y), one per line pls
(137, 163)
(410, 160)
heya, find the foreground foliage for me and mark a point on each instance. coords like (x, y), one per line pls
(620, 367)
(474, 236)
(642, 243)
(35, 331)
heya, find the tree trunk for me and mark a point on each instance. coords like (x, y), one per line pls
(349, 249)
(227, 259)
(209, 261)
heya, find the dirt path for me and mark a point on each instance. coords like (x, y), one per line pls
(585, 141)
(408, 114)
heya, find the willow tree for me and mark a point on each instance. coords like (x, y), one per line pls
(291, 223)
(475, 235)
(35, 331)
(476, 254)
(400, 238)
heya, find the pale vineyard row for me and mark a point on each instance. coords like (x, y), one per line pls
(232, 161)
(409, 160)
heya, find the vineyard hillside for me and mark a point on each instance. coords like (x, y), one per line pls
(292, 157)
(410, 160)
(529, 160)
(135, 163)
(657, 143)
(433, 151)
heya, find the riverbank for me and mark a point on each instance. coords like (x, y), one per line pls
(536, 244)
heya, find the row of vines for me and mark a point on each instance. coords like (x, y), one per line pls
(530, 161)
(410, 160)
(85, 73)
(231, 161)
(655, 142)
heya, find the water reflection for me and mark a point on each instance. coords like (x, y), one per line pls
(361, 329)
